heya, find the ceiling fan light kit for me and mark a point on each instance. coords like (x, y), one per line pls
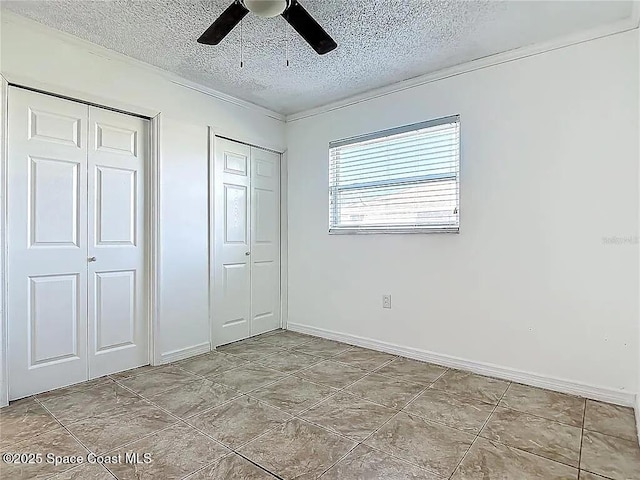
(266, 8)
(290, 10)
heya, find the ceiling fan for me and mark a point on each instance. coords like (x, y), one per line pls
(290, 10)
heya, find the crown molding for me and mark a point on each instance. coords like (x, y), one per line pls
(630, 23)
(10, 17)
(621, 26)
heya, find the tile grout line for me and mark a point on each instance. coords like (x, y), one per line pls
(240, 393)
(480, 430)
(344, 390)
(539, 455)
(259, 466)
(398, 412)
(218, 461)
(403, 460)
(493, 411)
(179, 420)
(356, 445)
(285, 375)
(298, 415)
(427, 388)
(596, 474)
(533, 454)
(511, 446)
(76, 439)
(295, 374)
(363, 442)
(235, 450)
(48, 430)
(148, 399)
(584, 416)
(432, 385)
(522, 412)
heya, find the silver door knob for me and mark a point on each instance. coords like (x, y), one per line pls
(92, 259)
(247, 253)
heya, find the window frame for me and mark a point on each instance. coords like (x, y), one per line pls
(381, 229)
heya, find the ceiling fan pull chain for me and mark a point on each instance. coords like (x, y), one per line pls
(286, 43)
(241, 45)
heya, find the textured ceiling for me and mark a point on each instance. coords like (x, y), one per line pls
(379, 41)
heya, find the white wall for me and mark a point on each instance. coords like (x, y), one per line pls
(70, 66)
(549, 168)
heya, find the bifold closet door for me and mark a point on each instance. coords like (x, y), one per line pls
(265, 241)
(118, 327)
(76, 301)
(232, 252)
(247, 241)
(47, 242)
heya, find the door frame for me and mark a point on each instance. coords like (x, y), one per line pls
(4, 221)
(151, 211)
(265, 145)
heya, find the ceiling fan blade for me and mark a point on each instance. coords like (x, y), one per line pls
(308, 28)
(224, 24)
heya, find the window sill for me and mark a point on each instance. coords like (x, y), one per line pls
(399, 230)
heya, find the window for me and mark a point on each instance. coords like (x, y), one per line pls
(401, 180)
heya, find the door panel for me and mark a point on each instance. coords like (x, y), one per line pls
(47, 259)
(53, 318)
(236, 205)
(53, 127)
(234, 290)
(232, 275)
(118, 327)
(116, 206)
(115, 309)
(117, 140)
(53, 202)
(265, 241)
(263, 308)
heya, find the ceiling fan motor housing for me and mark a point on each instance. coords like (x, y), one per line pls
(266, 8)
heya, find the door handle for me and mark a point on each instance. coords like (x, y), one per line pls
(247, 253)
(91, 259)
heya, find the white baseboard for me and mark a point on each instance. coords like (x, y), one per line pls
(181, 354)
(535, 380)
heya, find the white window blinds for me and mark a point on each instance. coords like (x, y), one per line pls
(401, 180)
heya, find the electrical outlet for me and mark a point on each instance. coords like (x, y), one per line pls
(386, 301)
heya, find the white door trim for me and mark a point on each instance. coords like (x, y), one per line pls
(4, 319)
(284, 240)
(152, 212)
(217, 132)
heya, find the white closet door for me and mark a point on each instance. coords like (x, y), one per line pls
(232, 268)
(118, 327)
(265, 241)
(47, 242)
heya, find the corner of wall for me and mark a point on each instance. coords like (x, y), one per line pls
(638, 416)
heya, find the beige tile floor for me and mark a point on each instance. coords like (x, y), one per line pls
(286, 405)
